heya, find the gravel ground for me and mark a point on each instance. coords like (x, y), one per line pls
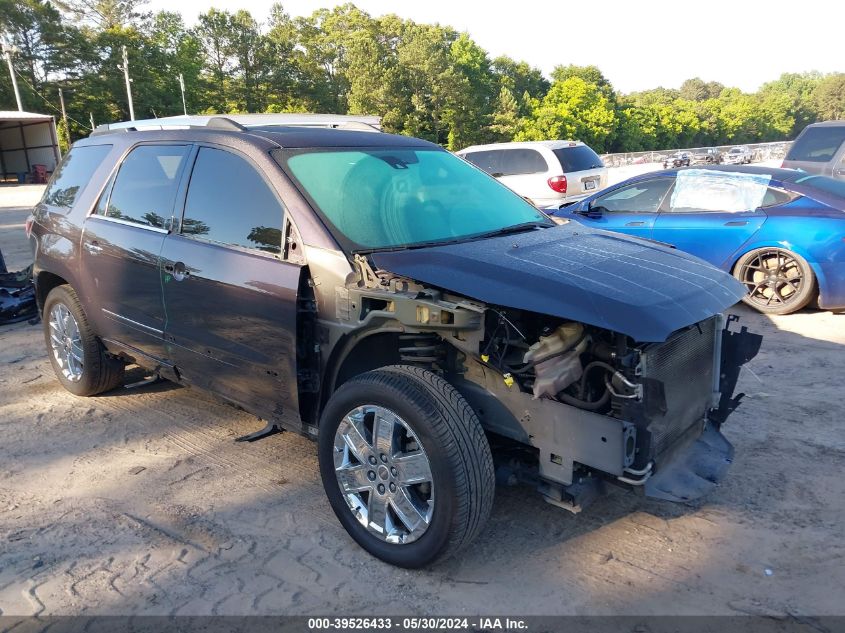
(140, 502)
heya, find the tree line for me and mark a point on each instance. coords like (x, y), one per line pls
(424, 80)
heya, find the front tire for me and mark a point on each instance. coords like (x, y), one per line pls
(777, 281)
(405, 465)
(77, 355)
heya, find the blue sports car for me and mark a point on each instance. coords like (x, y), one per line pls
(781, 232)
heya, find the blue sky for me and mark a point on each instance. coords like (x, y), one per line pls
(637, 44)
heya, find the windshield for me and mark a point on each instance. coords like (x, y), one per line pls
(377, 198)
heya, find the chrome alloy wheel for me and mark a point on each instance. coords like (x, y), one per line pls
(384, 474)
(66, 342)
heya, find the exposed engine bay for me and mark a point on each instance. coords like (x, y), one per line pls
(573, 404)
(570, 362)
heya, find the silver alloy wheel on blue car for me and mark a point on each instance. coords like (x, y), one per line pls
(384, 474)
(66, 342)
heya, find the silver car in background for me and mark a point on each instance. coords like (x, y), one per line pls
(739, 155)
(550, 174)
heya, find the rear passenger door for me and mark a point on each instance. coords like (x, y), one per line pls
(230, 296)
(711, 214)
(121, 245)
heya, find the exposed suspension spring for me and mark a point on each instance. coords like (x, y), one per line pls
(425, 350)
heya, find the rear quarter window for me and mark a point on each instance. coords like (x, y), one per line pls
(72, 175)
(578, 158)
(817, 144)
(522, 161)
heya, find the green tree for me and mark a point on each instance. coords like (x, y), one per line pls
(469, 116)
(424, 84)
(696, 89)
(573, 109)
(44, 43)
(829, 97)
(590, 74)
(212, 31)
(520, 79)
(506, 118)
(796, 90)
(248, 48)
(283, 61)
(104, 14)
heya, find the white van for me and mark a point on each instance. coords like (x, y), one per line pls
(549, 173)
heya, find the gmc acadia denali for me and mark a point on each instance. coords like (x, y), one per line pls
(432, 330)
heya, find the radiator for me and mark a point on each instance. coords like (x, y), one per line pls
(685, 366)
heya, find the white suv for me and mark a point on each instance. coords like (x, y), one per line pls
(739, 155)
(549, 173)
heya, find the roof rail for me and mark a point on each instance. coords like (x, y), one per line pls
(223, 123)
(243, 122)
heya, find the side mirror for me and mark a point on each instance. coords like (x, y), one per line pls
(592, 211)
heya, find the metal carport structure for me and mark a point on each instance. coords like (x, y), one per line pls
(27, 139)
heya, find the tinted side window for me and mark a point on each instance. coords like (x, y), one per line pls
(73, 174)
(145, 186)
(521, 161)
(577, 158)
(487, 160)
(817, 144)
(641, 197)
(228, 202)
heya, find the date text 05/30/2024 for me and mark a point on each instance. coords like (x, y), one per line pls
(418, 624)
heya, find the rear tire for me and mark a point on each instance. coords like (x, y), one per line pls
(77, 355)
(447, 445)
(777, 281)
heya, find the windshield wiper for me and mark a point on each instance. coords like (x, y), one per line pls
(507, 230)
(515, 228)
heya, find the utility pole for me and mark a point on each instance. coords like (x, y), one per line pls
(125, 69)
(64, 116)
(8, 51)
(182, 88)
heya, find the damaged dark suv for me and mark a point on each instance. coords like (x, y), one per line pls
(430, 328)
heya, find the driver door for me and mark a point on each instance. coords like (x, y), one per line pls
(630, 209)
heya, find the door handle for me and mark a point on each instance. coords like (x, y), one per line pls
(93, 247)
(635, 224)
(178, 270)
(736, 223)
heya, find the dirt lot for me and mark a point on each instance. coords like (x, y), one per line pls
(139, 502)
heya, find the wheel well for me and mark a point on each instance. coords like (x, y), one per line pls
(371, 352)
(44, 283)
(395, 346)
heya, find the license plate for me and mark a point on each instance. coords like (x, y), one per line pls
(589, 184)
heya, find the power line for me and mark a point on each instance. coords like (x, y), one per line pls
(43, 98)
